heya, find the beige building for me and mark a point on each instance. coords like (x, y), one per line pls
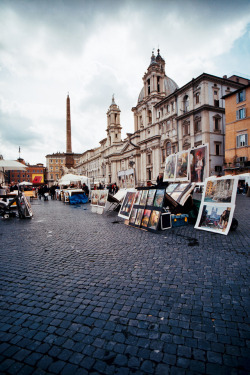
(167, 119)
(55, 165)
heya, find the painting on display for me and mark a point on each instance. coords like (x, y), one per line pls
(137, 197)
(127, 205)
(154, 220)
(133, 216)
(144, 196)
(180, 191)
(150, 198)
(159, 197)
(139, 216)
(182, 166)
(199, 164)
(103, 197)
(170, 167)
(94, 197)
(220, 190)
(145, 219)
(215, 218)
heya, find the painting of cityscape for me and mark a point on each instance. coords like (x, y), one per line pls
(150, 199)
(139, 216)
(215, 218)
(221, 190)
(145, 219)
(103, 196)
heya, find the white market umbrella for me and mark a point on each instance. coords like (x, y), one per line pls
(68, 178)
(25, 183)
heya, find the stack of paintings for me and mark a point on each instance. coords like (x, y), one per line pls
(146, 211)
(217, 205)
(179, 192)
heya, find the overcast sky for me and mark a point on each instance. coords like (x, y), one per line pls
(94, 49)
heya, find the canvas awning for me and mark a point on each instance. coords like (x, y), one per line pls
(67, 179)
(12, 165)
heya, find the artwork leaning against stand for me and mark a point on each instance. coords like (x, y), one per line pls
(139, 216)
(94, 197)
(159, 198)
(218, 204)
(154, 220)
(215, 218)
(182, 165)
(170, 167)
(145, 219)
(133, 216)
(150, 198)
(199, 164)
(127, 205)
(103, 197)
(144, 196)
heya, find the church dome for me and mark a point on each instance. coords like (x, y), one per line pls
(169, 87)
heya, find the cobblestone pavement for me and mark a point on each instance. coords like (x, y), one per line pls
(82, 293)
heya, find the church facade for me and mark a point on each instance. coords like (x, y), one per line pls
(167, 119)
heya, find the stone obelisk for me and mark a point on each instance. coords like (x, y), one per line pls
(69, 162)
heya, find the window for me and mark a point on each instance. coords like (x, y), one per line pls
(149, 158)
(174, 148)
(185, 128)
(241, 96)
(197, 124)
(217, 120)
(168, 148)
(158, 84)
(218, 168)
(241, 113)
(217, 149)
(172, 104)
(186, 103)
(148, 81)
(51, 176)
(163, 155)
(149, 174)
(241, 140)
(216, 103)
(197, 98)
(168, 108)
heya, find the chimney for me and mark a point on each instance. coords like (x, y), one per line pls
(68, 128)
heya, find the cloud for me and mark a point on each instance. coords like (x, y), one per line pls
(94, 49)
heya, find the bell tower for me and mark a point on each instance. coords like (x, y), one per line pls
(113, 123)
(154, 78)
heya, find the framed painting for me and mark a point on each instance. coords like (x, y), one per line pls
(159, 197)
(150, 198)
(154, 220)
(182, 163)
(199, 163)
(137, 197)
(220, 190)
(170, 168)
(215, 218)
(103, 196)
(94, 197)
(139, 217)
(144, 196)
(133, 216)
(145, 219)
(127, 205)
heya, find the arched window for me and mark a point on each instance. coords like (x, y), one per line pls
(168, 148)
(149, 117)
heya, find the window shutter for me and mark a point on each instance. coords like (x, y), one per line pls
(244, 113)
(237, 97)
(244, 95)
(237, 115)
(237, 141)
(246, 138)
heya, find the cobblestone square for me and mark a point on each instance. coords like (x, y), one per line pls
(83, 293)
